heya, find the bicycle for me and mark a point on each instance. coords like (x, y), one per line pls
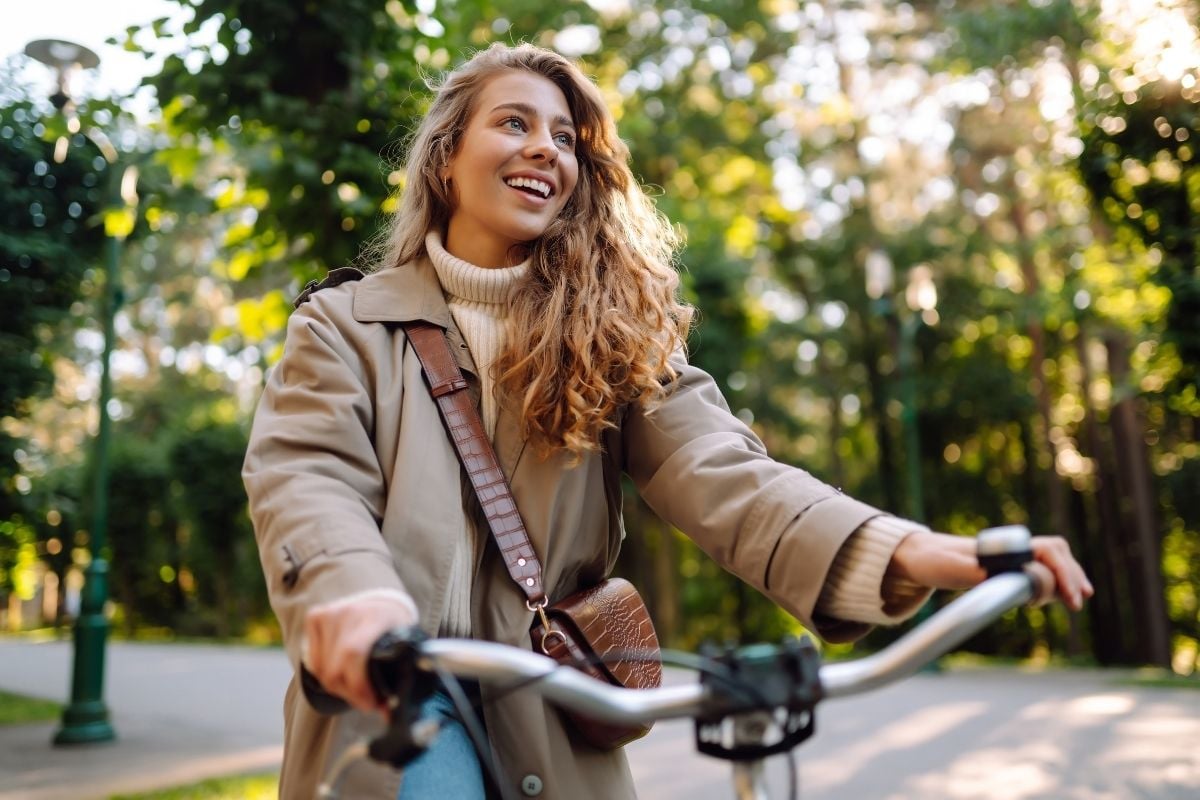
(750, 703)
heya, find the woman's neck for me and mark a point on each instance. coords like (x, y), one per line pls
(483, 251)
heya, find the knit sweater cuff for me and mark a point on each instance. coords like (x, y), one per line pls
(857, 587)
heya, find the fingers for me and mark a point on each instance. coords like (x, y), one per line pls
(337, 660)
(1072, 583)
(936, 560)
(1043, 581)
(338, 639)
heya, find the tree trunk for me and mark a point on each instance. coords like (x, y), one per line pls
(1144, 552)
(827, 379)
(1111, 619)
(1056, 491)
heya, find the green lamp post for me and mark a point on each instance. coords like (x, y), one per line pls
(86, 718)
(921, 297)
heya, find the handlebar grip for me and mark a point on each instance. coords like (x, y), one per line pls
(1007, 548)
(321, 700)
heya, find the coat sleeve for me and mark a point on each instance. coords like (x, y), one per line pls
(705, 472)
(315, 486)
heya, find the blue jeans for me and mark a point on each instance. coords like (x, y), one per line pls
(450, 767)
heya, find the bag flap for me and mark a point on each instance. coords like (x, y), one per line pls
(611, 620)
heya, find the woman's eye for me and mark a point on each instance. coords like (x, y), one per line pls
(514, 124)
(565, 140)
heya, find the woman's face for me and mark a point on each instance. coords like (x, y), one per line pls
(514, 169)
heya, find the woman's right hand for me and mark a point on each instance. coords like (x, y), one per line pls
(338, 637)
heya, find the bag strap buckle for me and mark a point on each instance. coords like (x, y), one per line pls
(548, 633)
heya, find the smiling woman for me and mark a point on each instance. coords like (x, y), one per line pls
(523, 239)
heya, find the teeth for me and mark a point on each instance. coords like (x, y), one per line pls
(541, 187)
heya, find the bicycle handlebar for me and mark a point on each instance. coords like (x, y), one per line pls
(951, 626)
(489, 662)
(1002, 551)
(739, 684)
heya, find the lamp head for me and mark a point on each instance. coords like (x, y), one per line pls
(64, 58)
(60, 54)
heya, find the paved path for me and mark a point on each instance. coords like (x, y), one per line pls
(181, 713)
(188, 711)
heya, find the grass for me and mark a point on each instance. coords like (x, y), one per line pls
(263, 786)
(16, 709)
(1162, 679)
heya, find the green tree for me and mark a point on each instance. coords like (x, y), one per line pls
(206, 463)
(49, 241)
(795, 145)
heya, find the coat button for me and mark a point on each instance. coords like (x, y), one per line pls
(531, 785)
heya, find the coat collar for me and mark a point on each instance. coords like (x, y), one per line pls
(403, 294)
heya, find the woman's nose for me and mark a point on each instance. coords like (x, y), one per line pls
(540, 145)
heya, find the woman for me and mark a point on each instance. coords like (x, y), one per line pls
(523, 233)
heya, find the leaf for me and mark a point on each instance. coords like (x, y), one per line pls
(119, 222)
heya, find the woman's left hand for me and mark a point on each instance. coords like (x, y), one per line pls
(942, 561)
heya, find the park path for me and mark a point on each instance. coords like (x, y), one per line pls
(183, 712)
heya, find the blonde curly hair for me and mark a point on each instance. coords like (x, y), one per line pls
(597, 315)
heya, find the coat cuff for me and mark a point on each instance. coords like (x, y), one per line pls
(857, 588)
(809, 544)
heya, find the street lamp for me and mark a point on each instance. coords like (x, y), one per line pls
(86, 718)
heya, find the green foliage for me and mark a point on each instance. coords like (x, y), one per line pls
(206, 463)
(309, 97)
(48, 241)
(140, 526)
(1012, 33)
(1139, 161)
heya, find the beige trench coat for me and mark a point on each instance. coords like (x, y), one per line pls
(354, 484)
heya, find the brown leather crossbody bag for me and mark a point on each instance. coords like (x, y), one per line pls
(605, 630)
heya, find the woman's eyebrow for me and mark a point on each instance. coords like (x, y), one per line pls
(529, 110)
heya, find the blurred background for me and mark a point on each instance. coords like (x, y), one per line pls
(945, 255)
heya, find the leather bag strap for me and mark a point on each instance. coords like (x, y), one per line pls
(449, 390)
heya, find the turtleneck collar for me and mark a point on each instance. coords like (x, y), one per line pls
(466, 281)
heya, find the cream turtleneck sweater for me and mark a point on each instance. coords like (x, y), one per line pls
(855, 588)
(478, 301)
